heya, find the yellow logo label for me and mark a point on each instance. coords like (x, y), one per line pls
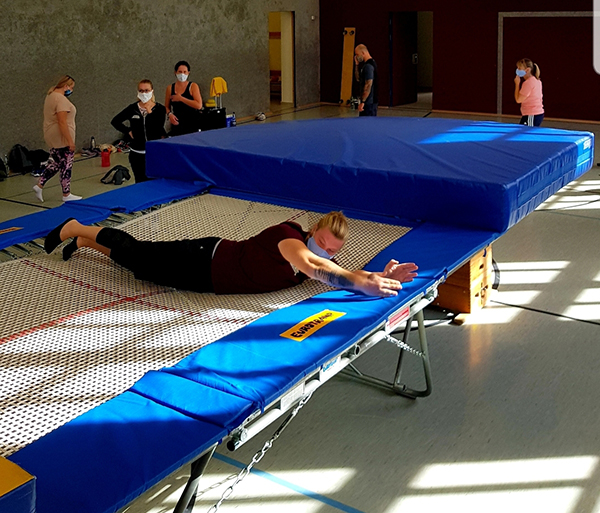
(11, 229)
(311, 324)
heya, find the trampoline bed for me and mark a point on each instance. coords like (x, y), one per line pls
(140, 379)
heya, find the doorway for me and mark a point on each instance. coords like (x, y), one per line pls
(282, 81)
(411, 58)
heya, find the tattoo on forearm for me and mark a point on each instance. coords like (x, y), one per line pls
(333, 279)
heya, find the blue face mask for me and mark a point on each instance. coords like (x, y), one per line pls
(521, 72)
(316, 249)
(68, 92)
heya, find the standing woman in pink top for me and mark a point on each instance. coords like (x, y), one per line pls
(59, 133)
(528, 92)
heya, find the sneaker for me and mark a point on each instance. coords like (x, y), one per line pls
(37, 173)
(90, 152)
(71, 197)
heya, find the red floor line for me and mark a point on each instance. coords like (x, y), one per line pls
(70, 279)
(49, 324)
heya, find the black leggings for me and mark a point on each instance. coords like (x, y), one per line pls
(182, 264)
(137, 161)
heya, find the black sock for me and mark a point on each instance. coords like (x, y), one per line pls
(69, 249)
(53, 238)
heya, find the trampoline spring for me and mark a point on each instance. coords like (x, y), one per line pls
(11, 255)
(404, 347)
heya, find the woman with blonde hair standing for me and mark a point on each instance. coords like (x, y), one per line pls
(528, 92)
(59, 133)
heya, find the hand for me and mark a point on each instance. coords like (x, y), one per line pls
(376, 285)
(355, 60)
(403, 273)
(176, 98)
(517, 79)
(361, 106)
(173, 119)
(72, 147)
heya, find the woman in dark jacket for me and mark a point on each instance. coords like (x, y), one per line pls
(146, 123)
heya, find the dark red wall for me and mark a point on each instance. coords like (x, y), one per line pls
(465, 41)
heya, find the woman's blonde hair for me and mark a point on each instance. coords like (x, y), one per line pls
(64, 80)
(336, 222)
(147, 81)
(528, 63)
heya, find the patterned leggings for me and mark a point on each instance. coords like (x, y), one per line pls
(61, 160)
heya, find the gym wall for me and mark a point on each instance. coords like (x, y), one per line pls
(109, 45)
(465, 51)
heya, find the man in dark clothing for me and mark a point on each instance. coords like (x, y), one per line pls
(369, 81)
(279, 257)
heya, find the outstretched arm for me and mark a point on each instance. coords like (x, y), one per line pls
(383, 284)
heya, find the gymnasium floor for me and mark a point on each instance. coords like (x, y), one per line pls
(511, 424)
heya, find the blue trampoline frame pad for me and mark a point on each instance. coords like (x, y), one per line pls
(97, 208)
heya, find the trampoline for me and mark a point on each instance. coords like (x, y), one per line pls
(109, 384)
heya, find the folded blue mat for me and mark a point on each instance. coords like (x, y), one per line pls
(105, 458)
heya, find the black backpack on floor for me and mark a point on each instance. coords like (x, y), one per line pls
(19, 160)
(117, 175)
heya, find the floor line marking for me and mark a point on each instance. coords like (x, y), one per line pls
(299, 489)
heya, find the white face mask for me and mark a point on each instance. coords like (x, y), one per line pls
(182, 77)
(145, 97)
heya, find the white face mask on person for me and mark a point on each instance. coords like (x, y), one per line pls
(316, 249)
(145, 97)
(182, 77)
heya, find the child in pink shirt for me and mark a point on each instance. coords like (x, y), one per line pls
(528, 92)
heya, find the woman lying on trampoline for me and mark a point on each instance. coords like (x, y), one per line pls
(258, 264)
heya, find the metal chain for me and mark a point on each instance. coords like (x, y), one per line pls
(259, 455)
(404, 346)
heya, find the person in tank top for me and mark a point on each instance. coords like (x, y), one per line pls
(183, 102)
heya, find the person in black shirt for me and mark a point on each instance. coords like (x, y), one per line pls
(146, 123)
(183, 101)
(369, 81)
(279, 257)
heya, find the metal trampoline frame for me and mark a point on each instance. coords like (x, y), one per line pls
(399, 322)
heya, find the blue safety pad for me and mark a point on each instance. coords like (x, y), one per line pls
(438, 250)
(97, 208)
(105, 458)
(258, 364)
(481, 175)
(144, 195)
(194, 400)
(40, 224)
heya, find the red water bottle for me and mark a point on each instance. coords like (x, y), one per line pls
(105, 158)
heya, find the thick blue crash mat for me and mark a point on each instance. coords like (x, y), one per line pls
(481, 175)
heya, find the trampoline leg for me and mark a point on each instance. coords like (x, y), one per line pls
(398, 387)
(185, 504)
